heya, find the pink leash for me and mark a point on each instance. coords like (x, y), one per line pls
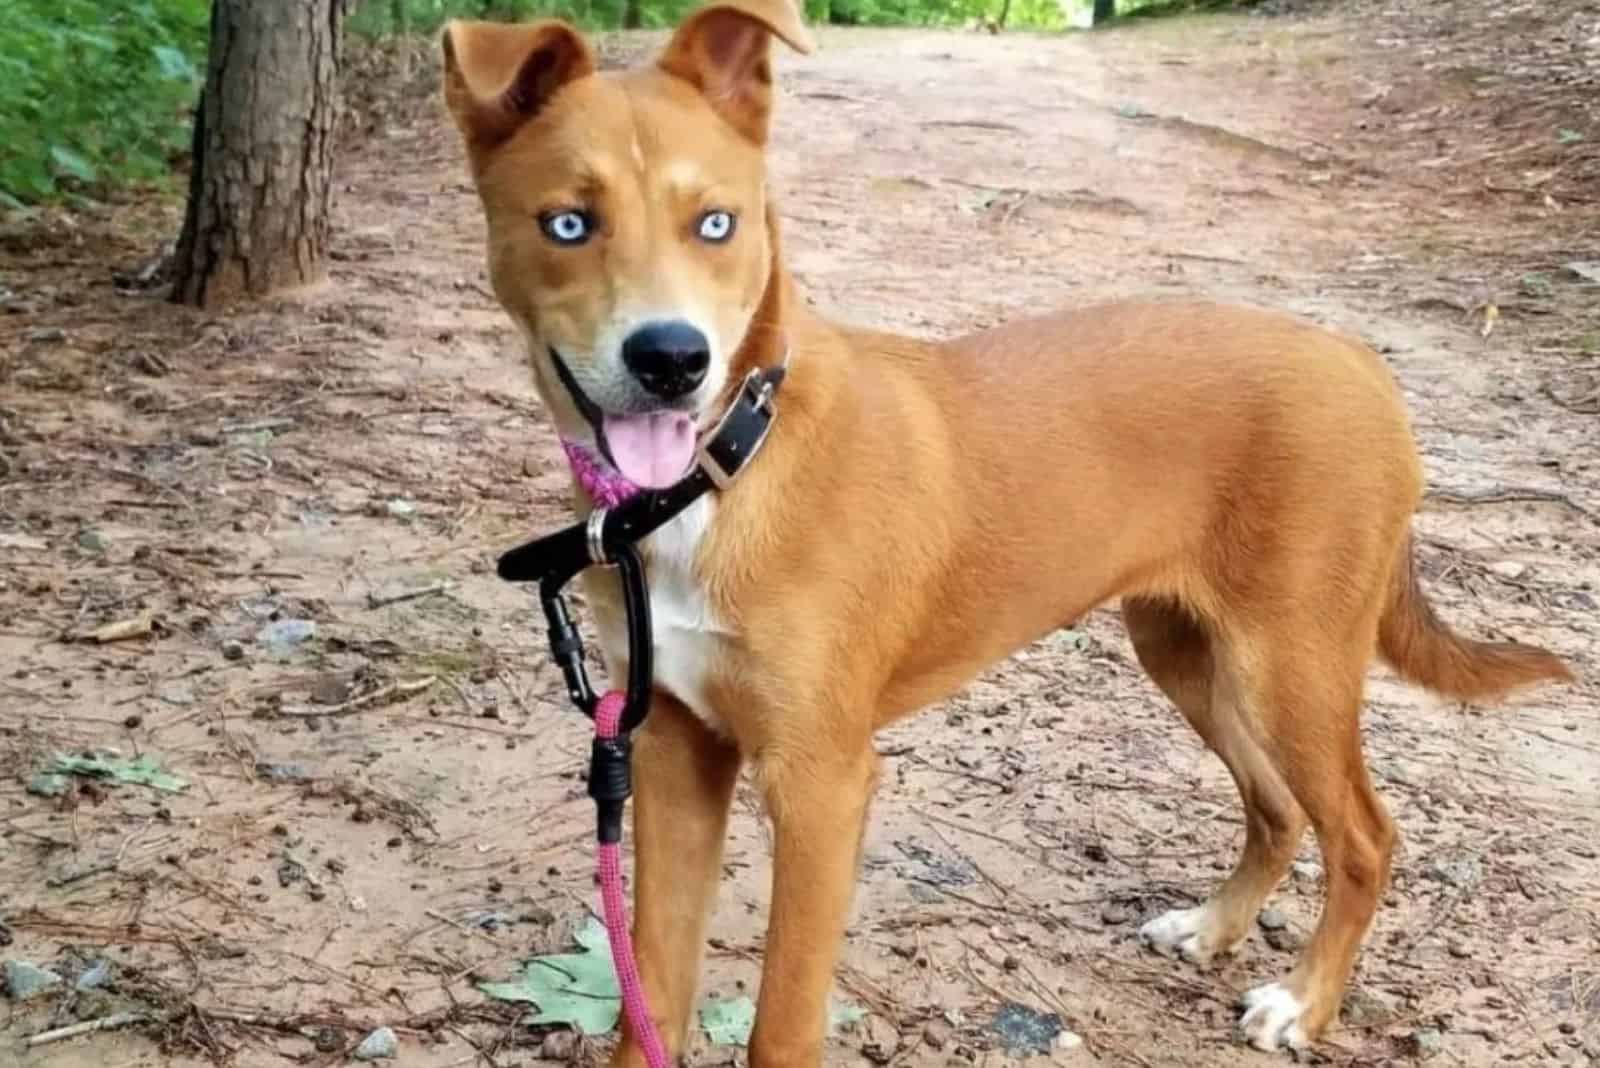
(608, 491)
(607, 719)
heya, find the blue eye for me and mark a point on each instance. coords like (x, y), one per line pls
(567, 227)
(716, 226)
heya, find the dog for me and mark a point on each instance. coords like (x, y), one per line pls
(1241, 481)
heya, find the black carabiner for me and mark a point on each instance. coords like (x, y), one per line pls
(555, 560)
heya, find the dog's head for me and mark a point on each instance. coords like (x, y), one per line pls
(627, 215)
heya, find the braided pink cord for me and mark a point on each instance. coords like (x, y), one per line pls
(606, 488)
(607, 721)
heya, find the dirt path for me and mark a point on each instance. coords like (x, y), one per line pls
(337, 865)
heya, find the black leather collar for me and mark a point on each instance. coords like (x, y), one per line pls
(724, 452)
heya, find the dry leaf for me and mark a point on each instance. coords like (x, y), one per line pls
(1491, 315)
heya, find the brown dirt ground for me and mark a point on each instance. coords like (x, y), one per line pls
(1388, 169)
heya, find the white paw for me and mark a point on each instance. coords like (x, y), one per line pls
(1271, 1018)
(1184, 932)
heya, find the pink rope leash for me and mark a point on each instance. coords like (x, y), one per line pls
(607, 719)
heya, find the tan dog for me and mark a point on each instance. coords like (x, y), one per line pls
(1242, 481)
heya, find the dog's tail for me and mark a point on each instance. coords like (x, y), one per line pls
(1423, 649)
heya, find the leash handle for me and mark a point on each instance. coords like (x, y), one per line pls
(608, 729)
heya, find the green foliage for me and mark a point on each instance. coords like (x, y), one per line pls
(380, 18)
(94, 92)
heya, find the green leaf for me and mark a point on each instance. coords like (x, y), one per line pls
(577, 989)
(728, 1021)
(141, 771)
(69, 161)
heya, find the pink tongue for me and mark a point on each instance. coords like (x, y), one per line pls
(654, 450)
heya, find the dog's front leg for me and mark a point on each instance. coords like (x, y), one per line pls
(818, 805)
(683, 784)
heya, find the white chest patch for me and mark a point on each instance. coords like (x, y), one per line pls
(687, 632)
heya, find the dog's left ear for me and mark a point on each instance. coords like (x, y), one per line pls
(723, 49)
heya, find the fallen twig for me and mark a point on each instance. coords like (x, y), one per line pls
(404, 688)
(378, 600)
(1509, 496)
(88, 1027)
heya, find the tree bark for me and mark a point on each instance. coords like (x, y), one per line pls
(632, 14)
(261, 185)
(1104, 10)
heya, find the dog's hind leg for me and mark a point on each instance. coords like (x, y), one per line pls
(683, 785)
(1307, 691)
(1183, 659)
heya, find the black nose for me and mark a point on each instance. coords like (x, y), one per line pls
(668, 358)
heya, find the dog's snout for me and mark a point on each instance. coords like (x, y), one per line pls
(668, 358)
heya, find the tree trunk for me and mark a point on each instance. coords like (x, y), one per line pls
(1104, 10)
(632, 14)
(400, 19)
(262, 180)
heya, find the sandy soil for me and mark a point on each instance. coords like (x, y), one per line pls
(334, 866)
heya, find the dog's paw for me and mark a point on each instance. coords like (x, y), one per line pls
(1186, 933)
(1272, 1018)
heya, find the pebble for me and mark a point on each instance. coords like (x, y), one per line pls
(93, 541)
(1273, 920)
(281, 637)
(880, 1041)
(25, 979)
(1307, 871)
(558, 1046)
(328, 1040)
(1460, 950)
(47, 335)
(1069, 1040)
(938, 1034)
(379, 1045)
(232, 650)
(1425, 1043)
(1114, 914)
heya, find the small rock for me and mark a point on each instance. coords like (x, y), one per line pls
(46, 335)
(1115, 914)
(1460, 950)
(93, 541)
(290, 872)
(331, 689)
(380, 1045)
(1509, 569)
(94, 977)
(25, 979)
(283, 772)
(938, 1034)
(400, 508)
(1307, 871)
(1069, 1040)
(1272, 920)
(282, 637)
(232, 650)
(558, 1046)
(880, 1041)
(1463, 874)
(1425, 1043)
(1096, 852)
(328, 1039)
(1283, 940)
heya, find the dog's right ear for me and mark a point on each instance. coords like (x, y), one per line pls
(499, 75)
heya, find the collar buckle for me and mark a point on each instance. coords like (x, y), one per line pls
(741, 431)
